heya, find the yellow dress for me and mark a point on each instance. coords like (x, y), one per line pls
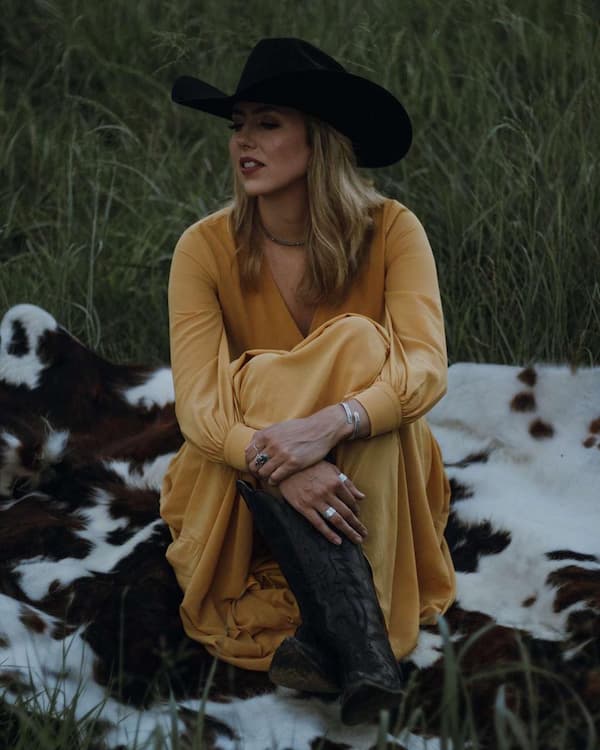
(239, 364)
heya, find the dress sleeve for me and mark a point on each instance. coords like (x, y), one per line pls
(414, 375)
(205, 406)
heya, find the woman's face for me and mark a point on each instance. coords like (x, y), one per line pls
(269, 148)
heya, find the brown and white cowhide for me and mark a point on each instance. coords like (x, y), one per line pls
(89, 607)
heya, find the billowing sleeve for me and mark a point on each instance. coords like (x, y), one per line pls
(206, 409)
(414, 375)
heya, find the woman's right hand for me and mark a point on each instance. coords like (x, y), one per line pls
(313, 490)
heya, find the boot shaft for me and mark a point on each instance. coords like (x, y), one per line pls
(333, 585)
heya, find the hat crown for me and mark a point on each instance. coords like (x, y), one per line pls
(283, 55)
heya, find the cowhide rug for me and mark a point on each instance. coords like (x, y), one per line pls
(88, 605)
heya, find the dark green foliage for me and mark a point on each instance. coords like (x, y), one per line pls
(101, 173)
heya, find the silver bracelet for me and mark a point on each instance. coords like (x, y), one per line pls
(348, 411)
(352, 417)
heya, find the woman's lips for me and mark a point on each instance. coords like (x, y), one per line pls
(250, 166)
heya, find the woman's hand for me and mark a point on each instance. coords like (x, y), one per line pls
(314, 490)
(296, 444)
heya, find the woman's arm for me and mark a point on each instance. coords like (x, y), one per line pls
(206, 410)
(414, 377)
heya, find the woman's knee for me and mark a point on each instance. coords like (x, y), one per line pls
(356, 325)
(359, 336)
(342, 356)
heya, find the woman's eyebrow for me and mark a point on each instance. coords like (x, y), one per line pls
(257, 110)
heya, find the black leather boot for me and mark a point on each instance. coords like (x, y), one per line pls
(334, 589)
(303, 663)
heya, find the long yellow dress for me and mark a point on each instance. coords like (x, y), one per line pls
(240, 363)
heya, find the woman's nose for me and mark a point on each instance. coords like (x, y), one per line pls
(244, 137)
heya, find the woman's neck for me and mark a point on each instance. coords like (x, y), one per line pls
(284, 216)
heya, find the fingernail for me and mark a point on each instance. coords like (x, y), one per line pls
(337, 541)
(362, 494)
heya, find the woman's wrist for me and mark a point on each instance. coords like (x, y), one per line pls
(356, 418)
(331, 425)
(348, 428)
(344, 423)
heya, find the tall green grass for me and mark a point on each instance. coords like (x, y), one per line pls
(100, 173)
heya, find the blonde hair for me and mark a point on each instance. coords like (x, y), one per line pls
(339, 222)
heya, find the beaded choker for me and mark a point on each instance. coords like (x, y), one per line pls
(285, 243)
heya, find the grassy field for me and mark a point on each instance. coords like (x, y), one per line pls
(101, 173)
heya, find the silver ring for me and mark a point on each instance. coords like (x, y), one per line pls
(342, 477)
(329, 512)
(261, 459)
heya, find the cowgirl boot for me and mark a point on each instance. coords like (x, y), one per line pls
(334, 589)
(301, 662)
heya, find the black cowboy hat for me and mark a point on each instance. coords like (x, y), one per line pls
(293, 73)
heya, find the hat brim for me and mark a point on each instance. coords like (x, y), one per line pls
(372, 118)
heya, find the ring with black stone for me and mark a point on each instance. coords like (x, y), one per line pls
(261, 460)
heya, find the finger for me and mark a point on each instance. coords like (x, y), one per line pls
(254, 446)
(347, 492)
(279, 467)
(266, 470)
(346, 522)
(262, 458)
(250, 454)
(343, 492)
(283, 471)
(250, 463)
(349, 484)
(349, 516)
(315, 519)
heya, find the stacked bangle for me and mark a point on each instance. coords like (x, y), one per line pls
(352, 417)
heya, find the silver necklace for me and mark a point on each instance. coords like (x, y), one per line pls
(285, 243)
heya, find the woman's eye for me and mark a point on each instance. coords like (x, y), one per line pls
(266, 125)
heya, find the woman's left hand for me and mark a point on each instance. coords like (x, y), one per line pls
(295, 444)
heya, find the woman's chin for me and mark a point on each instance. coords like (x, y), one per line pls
(297, 188)
(254, 191)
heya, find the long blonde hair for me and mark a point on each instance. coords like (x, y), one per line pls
(339, 224)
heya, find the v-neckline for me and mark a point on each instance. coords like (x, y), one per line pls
(284, 305)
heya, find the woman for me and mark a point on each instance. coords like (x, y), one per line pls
(307, 343)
